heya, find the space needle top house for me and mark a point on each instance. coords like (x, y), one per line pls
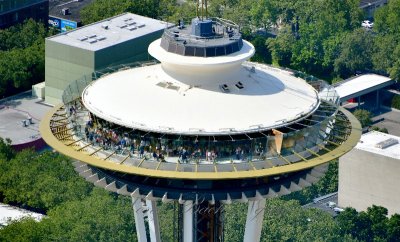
(203, 128)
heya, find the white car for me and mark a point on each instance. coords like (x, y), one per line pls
(367, 24)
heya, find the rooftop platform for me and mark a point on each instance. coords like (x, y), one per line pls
(16, 109)
(247, 100)
(63, 137)
(110, 32)
(360, 85)
(371, 141)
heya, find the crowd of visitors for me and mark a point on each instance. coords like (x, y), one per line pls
(129, 142)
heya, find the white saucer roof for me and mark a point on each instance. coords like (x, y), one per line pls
(147, 98)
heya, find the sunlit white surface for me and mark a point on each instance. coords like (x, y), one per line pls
(134, 98)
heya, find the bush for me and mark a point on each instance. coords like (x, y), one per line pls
(396, 102)
(363, 116)
(376, 128)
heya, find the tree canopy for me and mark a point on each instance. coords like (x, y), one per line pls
(40, 181)
(21, 56)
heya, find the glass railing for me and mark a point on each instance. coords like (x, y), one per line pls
(221, 27)
(303, 138)
(195, 149)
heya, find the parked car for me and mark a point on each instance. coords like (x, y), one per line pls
(367, 24)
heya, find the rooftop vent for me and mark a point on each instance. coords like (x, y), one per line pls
(141, 25)
(65, 11)
(131, 28)
(92, 41)
(104, 26)
(100, 38)
(122, 26)
(83, 38)
(224, 88)
(386, 143)
(168, 85)
(127, 19)
(239, 85)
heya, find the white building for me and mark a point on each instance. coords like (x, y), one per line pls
(369, 174)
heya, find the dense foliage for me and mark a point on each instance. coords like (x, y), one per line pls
(21, 57)
(98, 217)
(41, 181)
(319, 37)
(364, 116)
(372, 225)
(328, 184)
(396, 102)
(46, 182)
(322, 38)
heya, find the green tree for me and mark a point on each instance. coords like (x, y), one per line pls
(396, 101)
(41, 181)
(386, 56)
(281, 47)
(6, 151)
(363, 116)
(234, 221)
(21, 56)
(102, 9)
(355, 54)
(262, 54)
(393, 228)
(24, 230)
(263, 13)
(98, 217)
(379, 220)
(328, 184)
(288, 221)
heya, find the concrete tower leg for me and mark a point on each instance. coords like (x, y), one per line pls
(255, 215)
(139, 219)
(188, 221)
(152, 216)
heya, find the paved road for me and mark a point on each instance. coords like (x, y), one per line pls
(390, 120)
(384, 117)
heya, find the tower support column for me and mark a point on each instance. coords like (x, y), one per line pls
(255, 215)
(152, 218)
(139, 219)
(188, 221)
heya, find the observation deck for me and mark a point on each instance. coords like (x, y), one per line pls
(292, 152)
(198, 122)
(203, 128)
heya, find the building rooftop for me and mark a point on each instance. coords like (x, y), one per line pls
(360, 83)
(373, 141)
(74, 6)
(8, 213)
(19, 108)
(109, 32)
(148, 99)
